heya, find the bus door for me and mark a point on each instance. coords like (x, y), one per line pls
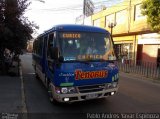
(51, 43)
(44, 54)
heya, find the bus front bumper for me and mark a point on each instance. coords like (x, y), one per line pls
(69, 98)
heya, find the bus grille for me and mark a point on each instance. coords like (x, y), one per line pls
(91, 88)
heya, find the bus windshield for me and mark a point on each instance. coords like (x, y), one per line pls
(86, 46)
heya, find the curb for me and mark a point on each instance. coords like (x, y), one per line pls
(24, 107)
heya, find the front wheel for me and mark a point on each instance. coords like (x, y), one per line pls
(52, 100)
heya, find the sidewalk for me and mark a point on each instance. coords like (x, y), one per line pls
(139, 77)
(10, 90)
(10, 98)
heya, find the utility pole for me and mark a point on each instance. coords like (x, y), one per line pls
(88, 9)
(84, 10)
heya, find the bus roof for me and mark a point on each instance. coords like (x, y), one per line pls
(74, 27)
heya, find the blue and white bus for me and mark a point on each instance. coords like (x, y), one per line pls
(76, 63)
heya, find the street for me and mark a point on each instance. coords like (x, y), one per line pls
(83, 50)
(134, 95)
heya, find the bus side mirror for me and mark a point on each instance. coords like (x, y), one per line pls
(54, 53)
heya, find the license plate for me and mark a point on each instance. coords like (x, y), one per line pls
(91, 96)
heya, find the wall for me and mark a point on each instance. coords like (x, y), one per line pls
(149, 53)
(131, 25)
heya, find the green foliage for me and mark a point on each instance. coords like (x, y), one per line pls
(151, 8)
(15, 29)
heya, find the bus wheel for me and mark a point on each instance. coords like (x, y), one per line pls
(37, 77)
(47, 83)
(50, 93)
(36, 74)
(52, 100)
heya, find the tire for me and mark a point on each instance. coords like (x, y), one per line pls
(47, 82)
(51, 99)
(36, 75)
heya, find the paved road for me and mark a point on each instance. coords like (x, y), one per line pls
(134, 96)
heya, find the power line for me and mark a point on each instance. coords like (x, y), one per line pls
(79, 7)
(40, 1)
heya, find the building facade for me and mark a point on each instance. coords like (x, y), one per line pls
(132, 36)
(30, 46)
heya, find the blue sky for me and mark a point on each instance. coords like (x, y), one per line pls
(54, 12)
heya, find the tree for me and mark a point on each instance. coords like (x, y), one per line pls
(15, 29)
(151, 8)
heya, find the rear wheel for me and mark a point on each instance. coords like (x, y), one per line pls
(36, 74)
(37, 77)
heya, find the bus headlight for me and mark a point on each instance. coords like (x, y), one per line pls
(108, 85)
(64, 90)
(68, 90)
(72, 90)
(114, 84)
(111, 85)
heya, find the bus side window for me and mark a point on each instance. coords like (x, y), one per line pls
(51, 43)
(39, 43)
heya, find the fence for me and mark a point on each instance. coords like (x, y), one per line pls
(147, 69)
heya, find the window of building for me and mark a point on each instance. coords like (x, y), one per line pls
(97, 22)
(138, 14)
(124, 51)
(110, 19)
(121, 17)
